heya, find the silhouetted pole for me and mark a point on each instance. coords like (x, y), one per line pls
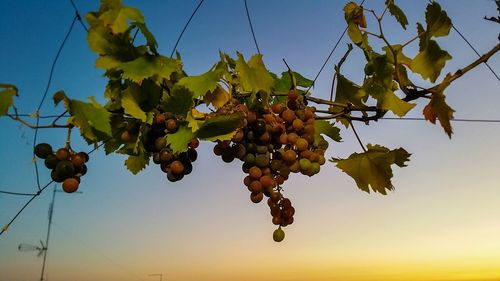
(51, 212)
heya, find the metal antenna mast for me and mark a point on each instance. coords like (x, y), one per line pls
(44, 248)
(157, 274)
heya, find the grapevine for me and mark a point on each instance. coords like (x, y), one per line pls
(156, 112)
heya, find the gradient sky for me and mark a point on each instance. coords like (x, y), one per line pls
(441, 223)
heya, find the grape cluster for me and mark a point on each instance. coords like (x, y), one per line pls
(272, 143)
(175, 165)
(67, 166)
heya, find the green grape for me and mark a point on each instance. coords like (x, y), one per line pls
(278, 235)
(262, 160)
(315, 167)
(305, 164)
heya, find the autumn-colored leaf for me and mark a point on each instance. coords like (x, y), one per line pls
(438, 109)
(373, 167)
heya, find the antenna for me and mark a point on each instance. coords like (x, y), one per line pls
(157, 274)
(24, 247)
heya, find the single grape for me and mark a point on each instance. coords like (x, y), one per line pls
(42, 150)
(194, 143)
(301, 144)
(126, 136)
(255, 172)
(256, 197)
(262, 160)
(172, 125)
(177, 167)
(56, 176)
(51, 161)
(288, 115)
(65, 169)
(305, 164)
(77, 160)
(62, 154)
(160, 143)
(227, 156)
(70, 185)
(278, 235)
(255, 187)
(192, 154)
(84, 155)
(293, 95)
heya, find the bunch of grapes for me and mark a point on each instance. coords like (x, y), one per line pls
(175, 165)
(272, 143)
(66, 165)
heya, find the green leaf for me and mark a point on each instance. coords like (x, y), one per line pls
(284, 83)
(7, 97)
(354, 33)
(107, 62)
(373, 167)
(116, 16)
(438, 109)
(111, 145)
(253, 76)
(130, 104)
(397, 13)
(355, 18)
(202, 84)
(430, 61)
(179, 102)
(438, 22)
(136, 163)
(92, 119)
(398, 49)
(380, 86)
(150, 39)
(348, 92)
(147, 66)
(389, 101)
(179, 140)
(193, 123)
(101, 41)
(219, 126)
(227, 136)
(323, 127)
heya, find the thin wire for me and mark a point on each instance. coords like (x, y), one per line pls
(79, 17)
(40, 192)
(17, 193)
(46, 92)
(454, 120)
(477, 53)
(41, 117)
(474, 49)
(185, 26)
(251, 27)
(22, 209)
(330, 55)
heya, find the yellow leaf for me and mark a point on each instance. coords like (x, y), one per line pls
(218, 98)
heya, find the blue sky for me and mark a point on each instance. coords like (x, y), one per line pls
(441, 217)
